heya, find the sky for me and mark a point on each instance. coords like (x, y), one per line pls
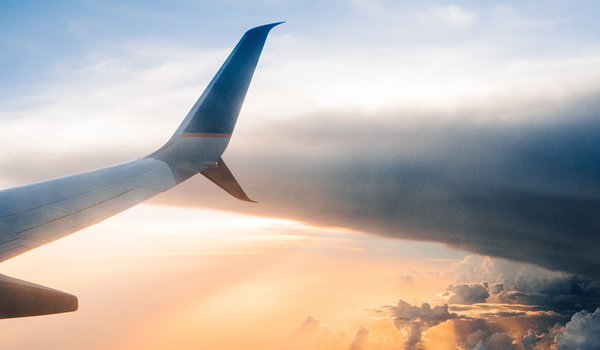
(426, 172)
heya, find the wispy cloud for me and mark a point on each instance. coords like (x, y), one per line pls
(449, 16)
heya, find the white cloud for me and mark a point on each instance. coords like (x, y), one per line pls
(360, 338)
(582, 332)
(509, 17)
(137, 95)
(312, 334)
(512, 275)
(406, 278)
(468, 293)
(450, 16)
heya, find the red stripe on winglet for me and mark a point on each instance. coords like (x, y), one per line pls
(191, 134)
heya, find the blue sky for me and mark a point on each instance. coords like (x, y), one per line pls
(36, 36)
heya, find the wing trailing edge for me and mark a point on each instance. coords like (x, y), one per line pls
(220, 175)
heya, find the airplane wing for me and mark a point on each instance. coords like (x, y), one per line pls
(39, 213)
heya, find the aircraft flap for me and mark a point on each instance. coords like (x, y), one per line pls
(222, 177)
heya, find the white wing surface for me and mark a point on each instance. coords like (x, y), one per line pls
(39, 213)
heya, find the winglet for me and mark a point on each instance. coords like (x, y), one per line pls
(222, 177)
(205, 132)
(215, 113)
(219, 111)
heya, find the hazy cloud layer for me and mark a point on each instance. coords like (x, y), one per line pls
(360, 338)
(312, 334)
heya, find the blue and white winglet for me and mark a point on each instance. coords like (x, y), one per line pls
(39, 213)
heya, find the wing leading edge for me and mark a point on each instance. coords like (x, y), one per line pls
(39, 213)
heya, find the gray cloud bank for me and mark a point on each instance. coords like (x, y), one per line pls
(522, 183)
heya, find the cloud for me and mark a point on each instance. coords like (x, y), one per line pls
(310, 322)
(508, 17)
(406, 278)
(468, 293)
(451, 16)
(497, 341)
(540, 300)
(526, 308)
(360, 338)
(307, 333)
(414, 321)
(547, 311)
(312, 334)
(405, 313)
(524, 284)
(582, 332)
(526, 191)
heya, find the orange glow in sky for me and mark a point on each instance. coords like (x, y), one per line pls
(164, 277)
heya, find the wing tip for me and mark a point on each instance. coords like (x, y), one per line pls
(267, 27)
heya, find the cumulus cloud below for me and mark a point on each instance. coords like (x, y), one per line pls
(312, 334)
(414, 320)
(582, 332)
(551, 312)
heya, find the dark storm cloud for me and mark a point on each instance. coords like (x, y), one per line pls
(526, 188)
